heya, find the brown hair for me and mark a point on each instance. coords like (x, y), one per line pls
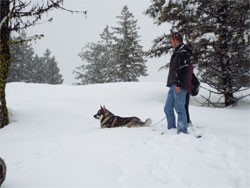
(178, 36)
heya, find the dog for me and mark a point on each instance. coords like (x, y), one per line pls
(109, 120)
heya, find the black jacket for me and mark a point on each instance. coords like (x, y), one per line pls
(179, 70)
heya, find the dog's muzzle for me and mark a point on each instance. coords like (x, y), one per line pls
(96, 116)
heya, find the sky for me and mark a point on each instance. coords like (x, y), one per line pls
(53, 140)
(68, 33)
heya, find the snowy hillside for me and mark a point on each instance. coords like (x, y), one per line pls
(54, 141)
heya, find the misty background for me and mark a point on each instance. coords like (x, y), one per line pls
(68, 33)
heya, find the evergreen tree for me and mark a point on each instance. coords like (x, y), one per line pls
(25, 67)
(117, 57)
(49, 71)
(225, 62)
(109, 57)
(22, 55)
(15, 16)
(100, 61)
(129, 53)
(219, 34)
(36, 71)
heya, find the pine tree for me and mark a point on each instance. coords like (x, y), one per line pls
(129, 53)
(109, 56)
(30, 68)
(49, 71)
(36, 71)
(219, 34)
(15, 16)
(117, 57)
(22, 54)
(100, 61)
(93, 71)
(181, 16)
(225, 63)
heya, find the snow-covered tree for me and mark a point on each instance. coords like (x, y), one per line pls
(99, 58)
(109, 57)
(49, 71)
(36, 71)
(117, 57)
(44, 70)
(22, 55)
(219, 34)
(225, 61)
(130, 63)
(30, 68)
(181, 16)
(16, 15)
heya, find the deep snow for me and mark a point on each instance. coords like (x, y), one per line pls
(54, 141)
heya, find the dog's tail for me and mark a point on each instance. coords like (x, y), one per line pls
(148, 122)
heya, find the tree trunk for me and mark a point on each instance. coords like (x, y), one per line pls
(225, 64)
(2, 171)
(227, 82)
(4, 60)
(229, 99)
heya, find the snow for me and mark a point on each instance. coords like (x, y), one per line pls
(54, 141)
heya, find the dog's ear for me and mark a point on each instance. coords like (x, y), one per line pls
(103, 108)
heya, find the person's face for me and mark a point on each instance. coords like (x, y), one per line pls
(174, 42)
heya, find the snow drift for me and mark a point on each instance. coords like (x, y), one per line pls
(54, 141)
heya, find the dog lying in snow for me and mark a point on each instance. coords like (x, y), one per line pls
(109, 120)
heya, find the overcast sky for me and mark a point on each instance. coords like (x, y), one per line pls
(68, 33)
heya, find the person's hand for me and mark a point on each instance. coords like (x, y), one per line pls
(177, 89)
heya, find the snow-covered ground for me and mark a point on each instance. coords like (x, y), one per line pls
(54, 141)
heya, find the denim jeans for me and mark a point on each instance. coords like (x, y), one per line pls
(176, 101)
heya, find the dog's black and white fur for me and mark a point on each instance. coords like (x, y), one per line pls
(109, 120)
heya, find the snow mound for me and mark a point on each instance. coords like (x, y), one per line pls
(54, 141)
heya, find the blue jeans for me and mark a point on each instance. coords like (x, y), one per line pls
(176, 101)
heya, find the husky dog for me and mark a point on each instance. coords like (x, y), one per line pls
(109, 120)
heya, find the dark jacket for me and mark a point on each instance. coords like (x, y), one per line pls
(179, 70)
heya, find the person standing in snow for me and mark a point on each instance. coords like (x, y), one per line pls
(178, 83)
